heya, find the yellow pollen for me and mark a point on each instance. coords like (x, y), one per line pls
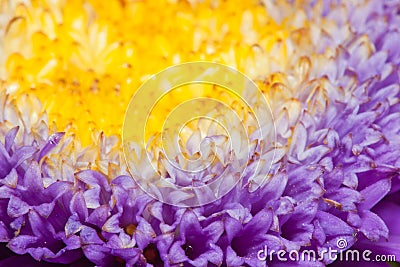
(130, 229)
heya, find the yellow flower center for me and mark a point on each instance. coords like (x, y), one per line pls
(85, 59)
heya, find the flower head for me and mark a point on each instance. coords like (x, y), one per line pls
(330, 70)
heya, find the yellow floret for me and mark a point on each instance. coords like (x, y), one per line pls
(85, 59)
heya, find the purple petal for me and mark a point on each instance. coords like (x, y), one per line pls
(78, 206)
(4, 235)
(18, 223)
(11, 179)
(93, 179)
(99, 216)
(347, 197)
(99, 255)
(33, 178)
(73, 225)
(57, 189)
(259, 224)
(332, 225)
(17, 207)
(232, 228)
(319, 233)
(112, 224)
(52, 142)
(125, 182)
(22, 154)
(213, 255)
(130, 255)
(90, 236)
(177, 254)
(44, 209)
(189, 225)
(144, 233)
(20, 243)
(232, 259)
(374, 193)
(5, 161)
(372, 226)
(10, 137)
(92, 198)
(40, 227)
(214, 231)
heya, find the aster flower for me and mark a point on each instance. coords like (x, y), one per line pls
(331, 71)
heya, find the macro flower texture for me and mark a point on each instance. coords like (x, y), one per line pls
(330, 70)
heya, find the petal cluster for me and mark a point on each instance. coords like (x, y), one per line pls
(335, 175)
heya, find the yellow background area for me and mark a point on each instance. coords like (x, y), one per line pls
(85, 59)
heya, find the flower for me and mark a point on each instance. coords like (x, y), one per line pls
(330, 69)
